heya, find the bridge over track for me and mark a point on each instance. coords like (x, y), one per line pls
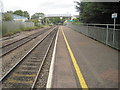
(58, 15)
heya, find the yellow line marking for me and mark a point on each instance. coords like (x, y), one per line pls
(79, 74)
(24, 75)
(18, 81)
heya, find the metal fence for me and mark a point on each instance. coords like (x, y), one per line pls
(104, 33)
(8, 26)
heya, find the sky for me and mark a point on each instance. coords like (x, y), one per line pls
(45, 6)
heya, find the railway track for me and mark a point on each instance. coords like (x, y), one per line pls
(13, 45)
(24, 74)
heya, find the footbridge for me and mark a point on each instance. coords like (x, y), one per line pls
(58, 15)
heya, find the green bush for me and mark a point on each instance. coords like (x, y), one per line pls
(76, 21)
(30, 28)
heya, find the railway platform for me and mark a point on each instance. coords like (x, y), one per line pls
(59, 57)
(81, 62)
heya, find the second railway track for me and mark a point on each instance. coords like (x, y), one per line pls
(25, 73)
(13, 45)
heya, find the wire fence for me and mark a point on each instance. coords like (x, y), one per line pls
(104, 33)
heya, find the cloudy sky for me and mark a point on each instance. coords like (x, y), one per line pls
(45, 6)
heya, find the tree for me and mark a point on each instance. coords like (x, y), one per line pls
(35, 22)
(57, 20)
(10, 12)
(37, 17)
(22, 13)
(26, 14)
(97, 12)
(19, 12)
(7, 17)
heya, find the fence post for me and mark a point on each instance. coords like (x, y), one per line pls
(87, 30)
(107, 34)
(114, 36)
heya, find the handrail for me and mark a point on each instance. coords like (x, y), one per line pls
(101, 24)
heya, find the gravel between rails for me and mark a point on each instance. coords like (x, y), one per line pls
(13, 45)
(43, 76)
(21, 35)
(37, 54)
(10, 59)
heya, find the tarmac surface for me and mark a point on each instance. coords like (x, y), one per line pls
(63, 76)
(98, 62)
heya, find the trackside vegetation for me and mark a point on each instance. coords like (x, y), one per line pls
(10, 27)
(9, 33)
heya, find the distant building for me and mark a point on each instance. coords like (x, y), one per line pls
(19, 18)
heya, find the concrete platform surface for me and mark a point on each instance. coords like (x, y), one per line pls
(98, 62)
(63, 76)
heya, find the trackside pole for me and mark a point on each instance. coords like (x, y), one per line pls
(114, 16)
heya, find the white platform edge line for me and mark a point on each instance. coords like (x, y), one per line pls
(50, 76)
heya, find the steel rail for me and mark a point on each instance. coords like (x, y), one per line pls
(4, 76)
(29, 38)
(20, 39)
(40, 68)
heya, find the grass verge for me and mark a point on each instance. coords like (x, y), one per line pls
(22, 29)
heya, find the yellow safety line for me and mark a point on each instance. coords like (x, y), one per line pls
(79, 74)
